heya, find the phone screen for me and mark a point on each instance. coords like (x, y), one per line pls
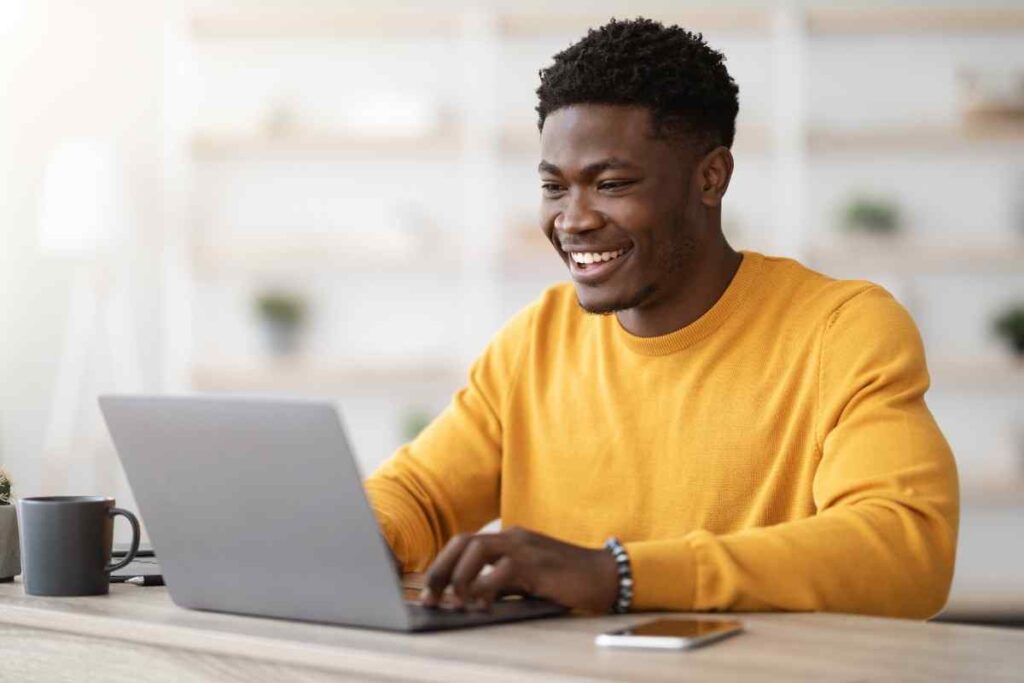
(680, 628)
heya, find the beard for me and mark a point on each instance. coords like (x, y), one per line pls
(624, 304)
(670, 261)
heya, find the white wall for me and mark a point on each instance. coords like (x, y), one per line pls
(70, 69)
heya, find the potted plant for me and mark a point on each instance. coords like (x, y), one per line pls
(414, 421)
(1010, 326)
(283, 315)
(872, 216)
(10, 553)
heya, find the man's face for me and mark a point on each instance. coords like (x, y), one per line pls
(618, 205)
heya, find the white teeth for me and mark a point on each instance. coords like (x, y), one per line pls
(587, 257)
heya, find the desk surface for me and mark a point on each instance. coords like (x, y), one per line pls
(138, 629)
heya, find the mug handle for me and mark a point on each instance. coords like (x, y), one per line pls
(136, 535)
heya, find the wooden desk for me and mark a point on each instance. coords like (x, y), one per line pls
(137, 634)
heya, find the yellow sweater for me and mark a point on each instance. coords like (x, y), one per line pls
(775, 454)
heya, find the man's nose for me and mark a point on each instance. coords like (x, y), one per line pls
(578, 216)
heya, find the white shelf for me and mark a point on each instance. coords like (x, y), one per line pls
(1007, 492)
(708, 19)
(1008, 137)
(903, 256)
(286, 373)
(226, 146)
(297, 23)
(322, 374)
(300, 253)
(973, 137)
(529, 262)
(874, 20)
(984, 374)
(524, 140)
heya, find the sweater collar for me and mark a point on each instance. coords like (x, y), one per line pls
(733, 296)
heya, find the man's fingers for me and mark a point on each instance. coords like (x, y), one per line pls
(487, 586)
(480, 551)
(440, 571)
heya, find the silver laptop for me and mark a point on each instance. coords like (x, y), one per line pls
(256, 506)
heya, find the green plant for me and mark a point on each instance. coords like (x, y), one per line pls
(5, 487)
(414, 422)
(282, 308)
(875, 215)
(1010, 326)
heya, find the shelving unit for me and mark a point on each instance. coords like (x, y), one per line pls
(473, 175)
(478, 152)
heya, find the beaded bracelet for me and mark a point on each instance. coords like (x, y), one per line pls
(625, 597)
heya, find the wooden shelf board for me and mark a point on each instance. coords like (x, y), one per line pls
(252, 23)
(524, 140)
(900, 255)
(317, 374)
(303, 254)
(852, 20)
(292, 23)
(531, 262)
(698, 19)
(206, 146)
(993, 493)
(989, 375)
(920, 138)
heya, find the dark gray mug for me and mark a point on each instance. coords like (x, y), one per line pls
(65, 544)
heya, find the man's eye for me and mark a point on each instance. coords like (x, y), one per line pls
(551, 188)
(615, 184)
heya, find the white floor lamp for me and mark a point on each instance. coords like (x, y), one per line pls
(83, 218)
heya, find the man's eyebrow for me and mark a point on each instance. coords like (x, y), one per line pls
(596, 168)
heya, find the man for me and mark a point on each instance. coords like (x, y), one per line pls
(753, 432)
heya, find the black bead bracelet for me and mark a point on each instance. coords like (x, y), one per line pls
(625, 597)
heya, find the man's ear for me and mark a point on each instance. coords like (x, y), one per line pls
(714, 173)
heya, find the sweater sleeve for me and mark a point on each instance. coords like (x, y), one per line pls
(883, 539)
(447, 480)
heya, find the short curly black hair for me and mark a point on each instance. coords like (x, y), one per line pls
(642, 62)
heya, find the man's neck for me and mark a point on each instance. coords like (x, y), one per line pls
(693, 299)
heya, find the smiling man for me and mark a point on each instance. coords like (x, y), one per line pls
(683, 426)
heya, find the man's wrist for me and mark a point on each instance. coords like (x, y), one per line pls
(606, 581)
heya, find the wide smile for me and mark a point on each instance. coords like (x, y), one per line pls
(593, 267)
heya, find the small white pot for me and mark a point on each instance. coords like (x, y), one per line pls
(10, 552)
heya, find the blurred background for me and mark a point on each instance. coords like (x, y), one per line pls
(339, 200)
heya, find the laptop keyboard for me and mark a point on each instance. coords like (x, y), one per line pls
(447, 602)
